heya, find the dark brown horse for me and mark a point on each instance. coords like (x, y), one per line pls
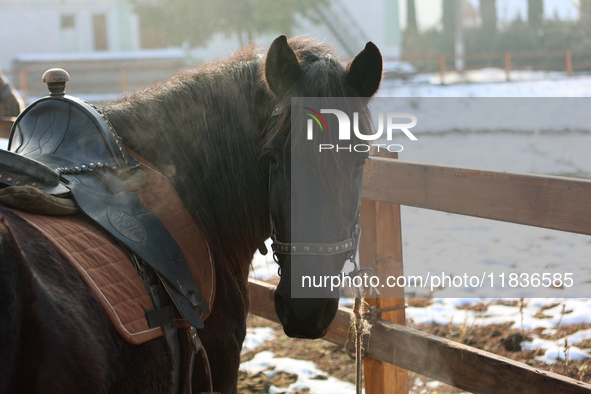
(212, 132)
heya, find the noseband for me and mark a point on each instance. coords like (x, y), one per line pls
(350, 245)
(317, 249)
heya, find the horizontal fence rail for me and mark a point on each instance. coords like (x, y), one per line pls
(447, 361)
(551, 202)
(487, 56)
(5, 126)
(95, 76)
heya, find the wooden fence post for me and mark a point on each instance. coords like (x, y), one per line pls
(5, 126)
(569, 63)
(123, 79)
(442, 69)
(508, 66)
(381, 250)
(22, 76)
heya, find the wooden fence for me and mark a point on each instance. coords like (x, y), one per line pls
(543, 201)
(560, 60)
(98, 77)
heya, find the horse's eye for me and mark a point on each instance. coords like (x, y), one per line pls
(271, 157)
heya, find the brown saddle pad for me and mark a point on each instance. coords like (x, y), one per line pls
(107, 268)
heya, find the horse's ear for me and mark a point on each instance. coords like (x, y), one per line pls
(282, 68)
(364, 73)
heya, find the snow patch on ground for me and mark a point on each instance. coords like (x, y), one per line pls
(256, 336)
(444, 311)
(309, 376)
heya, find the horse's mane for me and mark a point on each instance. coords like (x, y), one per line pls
(204, 129)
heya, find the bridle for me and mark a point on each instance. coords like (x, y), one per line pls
(317, 249)
(350, 244)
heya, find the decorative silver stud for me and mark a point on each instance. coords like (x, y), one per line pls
(34, 184)
(91, 165)
(329, 250)
(84, 167)
(293, 248)
(99, 164)
(8, 179)
(17, 183)
(306, 248)
(77, 169)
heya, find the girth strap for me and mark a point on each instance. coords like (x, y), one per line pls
(163, 316)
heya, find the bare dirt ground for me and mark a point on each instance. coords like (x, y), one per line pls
(497, 338)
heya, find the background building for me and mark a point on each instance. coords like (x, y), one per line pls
(65, 26)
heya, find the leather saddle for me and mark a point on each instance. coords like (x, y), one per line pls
(66, 147)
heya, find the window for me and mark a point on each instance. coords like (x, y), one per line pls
(68, 41)
(99, 24)
(68, 22)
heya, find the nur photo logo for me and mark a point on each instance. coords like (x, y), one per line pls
(392, 122)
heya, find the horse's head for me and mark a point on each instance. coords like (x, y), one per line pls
(314, 196)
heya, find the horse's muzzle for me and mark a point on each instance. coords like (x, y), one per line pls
(305, 317)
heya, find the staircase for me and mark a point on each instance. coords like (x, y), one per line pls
(338, 19)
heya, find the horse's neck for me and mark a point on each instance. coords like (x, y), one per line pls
(211, 155)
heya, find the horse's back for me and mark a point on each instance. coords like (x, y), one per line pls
(46, 314)
(54, 335)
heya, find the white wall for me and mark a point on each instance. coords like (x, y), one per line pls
(23, 31)
(34, 26)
